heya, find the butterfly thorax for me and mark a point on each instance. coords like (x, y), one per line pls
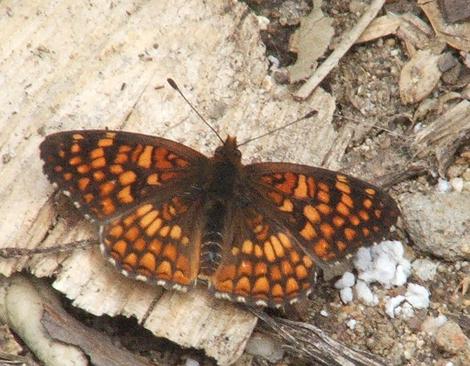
(222, 179)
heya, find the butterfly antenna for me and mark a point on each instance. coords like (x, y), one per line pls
(307, 116)
(174, 86)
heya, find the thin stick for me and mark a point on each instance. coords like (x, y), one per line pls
(24, 252)
(346, 43)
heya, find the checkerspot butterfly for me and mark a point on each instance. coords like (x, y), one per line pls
(169, 215)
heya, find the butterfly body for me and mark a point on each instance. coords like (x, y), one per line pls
(169, 215)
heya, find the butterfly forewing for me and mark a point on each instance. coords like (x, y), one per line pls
(330, 214)
(107, 173)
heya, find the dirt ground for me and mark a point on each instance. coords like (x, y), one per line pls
(366, 88)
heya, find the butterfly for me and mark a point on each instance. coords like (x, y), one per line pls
(171, 216)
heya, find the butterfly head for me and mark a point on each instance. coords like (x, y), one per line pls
(229, 151)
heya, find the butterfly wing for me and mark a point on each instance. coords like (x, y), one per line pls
(140, 190)
(329, 214)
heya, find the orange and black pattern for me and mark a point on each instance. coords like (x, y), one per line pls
(169, 215)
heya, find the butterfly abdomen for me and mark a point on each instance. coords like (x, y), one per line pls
(211, 245)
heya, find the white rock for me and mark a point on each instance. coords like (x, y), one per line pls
(346, 295)
(363, 259)
(391, 305)
(365, 294)
(457, 184)
(351, 323)
(407, 310)
(191, 362)
(324, 313)
(402, 273)
(424, 269)
(443, 186)
(262, 345)
(347, 280)
(417, 296)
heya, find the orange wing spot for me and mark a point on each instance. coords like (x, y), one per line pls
(127, 178)
(58, 169)
(243, 286)
(258, 251)
(269, 251)
(277, 291)
(321, 248)
(308, 232)
(75, 160)
(116, 169)
(324, 187)
(378, 213)
(343, 187)
(96, 153)
(311, 214)
(301, 190)
(185, 240)
(183, 264)
(245, 268)
(365, 231)
(129, 220)
(364, 215)
(354, 220)
(120, 248)
(263, 234)
(132, 234)
(277, 246)
(164, 269)
(327, 230)
(350, 234)
(111, 135)
(307, 261)
(155, 246)
(106, 188)
(161, 160)
(61, 154)
(108, 206)
(105, 142)
(370, 191)
(98, 163)
(68, 176)
(367, 203)
(338, 221)
(311, 186)
(261, 269)
(124, 148)
(148, 218)
(323, 196)
(83, 169)
(139, 245)
(180, 278)
(181, 163)
(145, 159)
(323, 208)
(142, 210)
(342, 209)
(261, 286)
(99, 175)
(342, 178)
(170, 252)
(301, 272)
(247, 247)
(290, 181)
(285, 241)
(168, 175)
(341, 245)
(225, 286)
(294, 257)
(164, 231)
(287, 206)
(116, 231)
(83, 183)
(286, 268)
(276, 197)
(275, 273)
(227, 272)
(75, 148)
(88, 197)
(235, 251)
(153, 180)
(347, 200)
(175, 232)
(77, 136)
(292, 286)
(125, 196)
(121, 158)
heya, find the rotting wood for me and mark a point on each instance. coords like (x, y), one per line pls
(349, 38)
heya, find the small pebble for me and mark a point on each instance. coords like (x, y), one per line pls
(443, 186)
(346, 295)
(351, 323)
(417, 296)
(347, 280)
(457, 184)
(424, 269)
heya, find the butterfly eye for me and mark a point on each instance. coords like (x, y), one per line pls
(238, 153)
